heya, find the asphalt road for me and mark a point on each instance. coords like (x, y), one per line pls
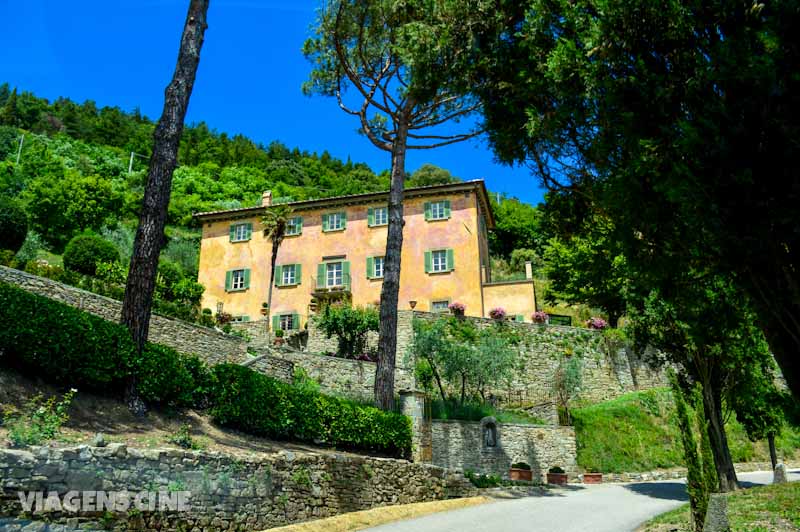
(577, 508)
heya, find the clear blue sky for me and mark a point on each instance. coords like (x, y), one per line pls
(123, 53)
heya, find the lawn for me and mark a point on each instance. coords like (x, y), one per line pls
(774, 508)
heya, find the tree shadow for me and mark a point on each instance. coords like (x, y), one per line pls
(673, 491)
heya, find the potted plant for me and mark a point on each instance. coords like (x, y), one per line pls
(556, 475)
(279, 337)
(596, 323)
(498, 313)
(264, 308)
(592, 476)
(520, 471)
(540, 316)
(457, 308)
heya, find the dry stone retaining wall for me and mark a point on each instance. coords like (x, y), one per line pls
(225, 493)
(212, 346)
(462, 445)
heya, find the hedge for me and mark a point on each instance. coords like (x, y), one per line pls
(258, 404)
(70, 347)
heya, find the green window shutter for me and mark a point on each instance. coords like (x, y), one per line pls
(344, 220)
(447, 208)
(295, 321)
(245, 318)
(370, 216)
(451, 265)
(298, 273)
(232, 232)
(228, 280)
(427, 210)
(278, 275)
(428, 262)
(370, 267)
(276, 322)
(321, 273)
(324, 222)
(299, 224)
(345, 269)
(519, 317)
(247, 278)
(249, 231)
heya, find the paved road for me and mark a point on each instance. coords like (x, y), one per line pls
(579, 508)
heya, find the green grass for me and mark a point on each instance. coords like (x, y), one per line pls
(638, 432)
(476, 411)
(761, 509)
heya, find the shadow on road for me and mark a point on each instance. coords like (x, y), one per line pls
(674, 491)
(537, 491)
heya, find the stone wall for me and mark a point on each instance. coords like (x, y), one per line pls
(462, 445)
(224, 493)
(336, 376)
(264, 361)
(608, 370)
(211, 345)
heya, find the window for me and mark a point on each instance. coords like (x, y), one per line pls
(334, 274)
(440, 306)
(287, 322)
(377, 216)
(437, 210)
(237, 280)
(289, 275)
(241, 232)
(490, 435)
(439, 260)
(377, 267)
(240, 319)
(294, 226)
(334, 222)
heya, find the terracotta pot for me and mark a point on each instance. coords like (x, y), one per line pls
(592, 478)
(264, 311)
(520, 474)
(556, 478)
(279, 341)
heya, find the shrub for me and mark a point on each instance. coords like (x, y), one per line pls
(188, 291)
(40, 421)
(61, 343)
(260, 405)
(163, 376)
(457, 308)
(84, 251)
(169, 275)
(557, 470)
(540, 317)
(183, 438)
(349, 325)
(13, 225)
(479, 480)
(521, 465)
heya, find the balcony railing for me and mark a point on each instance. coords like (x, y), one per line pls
(326, 285)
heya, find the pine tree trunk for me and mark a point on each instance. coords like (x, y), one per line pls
(138, 299)
(719, 441)
(387, 334)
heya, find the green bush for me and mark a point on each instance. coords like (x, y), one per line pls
(453, 409)
(13, 225)
(61, 343)
(39, 422)
(260, 405)
(349, 325)
(67, 346)
(84, 251)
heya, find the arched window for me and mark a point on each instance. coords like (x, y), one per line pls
(489, 432)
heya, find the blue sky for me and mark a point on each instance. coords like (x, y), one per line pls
(123, 53)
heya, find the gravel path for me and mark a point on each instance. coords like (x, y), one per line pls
(599, 508)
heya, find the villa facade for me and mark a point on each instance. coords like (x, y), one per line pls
(334, 249)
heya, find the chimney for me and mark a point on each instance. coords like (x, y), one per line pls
(266, 198)
(528, 269)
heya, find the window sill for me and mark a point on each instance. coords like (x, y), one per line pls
(236, 290)
(287, 235)
(240, 241)
(334, 230)
(375, 278)
(441, 273)
(378, 225)
(294, 285)
(437, 219)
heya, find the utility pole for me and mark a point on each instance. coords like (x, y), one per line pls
(130, 163)
(19, 150)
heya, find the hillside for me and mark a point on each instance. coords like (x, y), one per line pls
(639, 432)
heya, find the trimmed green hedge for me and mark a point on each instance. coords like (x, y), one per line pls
(257, 404)
(69, 347)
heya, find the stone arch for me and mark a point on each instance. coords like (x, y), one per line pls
(489, 433)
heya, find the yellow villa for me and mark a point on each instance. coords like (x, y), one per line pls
(334, 248)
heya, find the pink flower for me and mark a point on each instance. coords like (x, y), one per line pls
(457, 308)
(498, 313)
(596, 323)
(540, 316)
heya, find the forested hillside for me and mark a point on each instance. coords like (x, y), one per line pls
(73, 174)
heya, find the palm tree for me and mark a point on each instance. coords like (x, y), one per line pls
(275, 221)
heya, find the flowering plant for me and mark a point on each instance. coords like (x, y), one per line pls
(457, 308)
(498, 313)
(540, 316)
(596, 323)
